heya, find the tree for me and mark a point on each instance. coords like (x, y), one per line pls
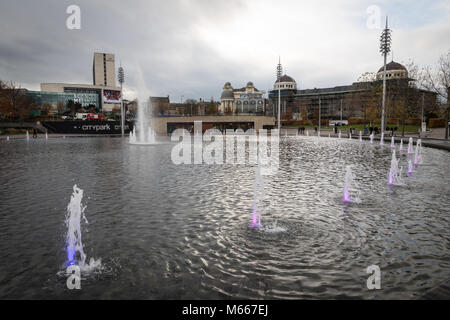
(46, 107)
(438, 80)
(367, 77)
(212, 108)
(192, 106)
(60, 107)
(304, 113)
(15, 100)
(72, 107)
(372, 110)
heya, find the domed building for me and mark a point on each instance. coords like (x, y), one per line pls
(285, 83)
(246, 100)
(288, 88)
(343, 102)
(227, 98)
(394, 70)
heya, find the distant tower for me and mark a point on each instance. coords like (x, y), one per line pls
(385, 48)
(121, 78)
(279, 70)
(104, 70)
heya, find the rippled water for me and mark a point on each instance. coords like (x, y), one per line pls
(182, 232)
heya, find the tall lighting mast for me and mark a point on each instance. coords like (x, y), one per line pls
(385, 48)
(279, 74)
(121, 78)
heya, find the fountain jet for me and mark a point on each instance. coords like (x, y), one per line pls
(410, 145)
(351, 189)
(410, 166)
(75, 251)
(142, 132)
(394, 171)
(258, 196)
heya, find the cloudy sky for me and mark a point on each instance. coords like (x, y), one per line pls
(190, 48)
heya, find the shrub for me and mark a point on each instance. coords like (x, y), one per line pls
(353, 121)
(413, 121)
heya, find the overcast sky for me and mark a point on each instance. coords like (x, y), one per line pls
(190, 48)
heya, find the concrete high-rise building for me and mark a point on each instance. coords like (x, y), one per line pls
(104, 73)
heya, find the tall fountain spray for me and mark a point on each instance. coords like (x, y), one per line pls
(351, 189)
(7, 138)
(360, 136)
(349, 136)
(410, 145)
(395, 171)
(371, 138)
(382, 139)
(142, 132)
(392, 142)
(258, 196)
(28, 136)
(401, 145)
(340, 134)
(75, 251)
(410, 166)
(418, 153)
(46, 136)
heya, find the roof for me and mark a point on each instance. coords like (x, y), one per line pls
(392, 66)
(286, 78)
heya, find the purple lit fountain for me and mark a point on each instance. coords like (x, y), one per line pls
(395, 172)
(75, 252)
(351, 190)
(401, 145)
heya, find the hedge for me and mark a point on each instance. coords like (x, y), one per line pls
(436, 123)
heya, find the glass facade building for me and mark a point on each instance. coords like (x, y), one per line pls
(53, 98)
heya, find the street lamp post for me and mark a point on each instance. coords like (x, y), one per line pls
(320, 110)
(385, 48)
(121, 78)
(279, 73)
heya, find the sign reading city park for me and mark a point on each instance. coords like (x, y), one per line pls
(111, 96)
